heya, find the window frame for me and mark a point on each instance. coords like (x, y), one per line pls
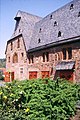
(67, 53)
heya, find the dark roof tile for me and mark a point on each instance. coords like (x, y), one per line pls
(67, 22)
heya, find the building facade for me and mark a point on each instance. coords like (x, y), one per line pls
(46, 47)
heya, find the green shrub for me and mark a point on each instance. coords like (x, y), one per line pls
(38, 100)
(1, 75)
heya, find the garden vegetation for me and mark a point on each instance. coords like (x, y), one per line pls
(39, 100)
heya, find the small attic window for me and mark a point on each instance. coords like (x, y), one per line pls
(39, 40)
(59, 34)
(50, 16)
(71, 6)
(40, 30)
(79, 14)
(55, 23)
(19, 30)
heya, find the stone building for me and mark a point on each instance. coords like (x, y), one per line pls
(46, 47)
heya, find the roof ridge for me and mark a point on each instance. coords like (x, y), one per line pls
(28, 13)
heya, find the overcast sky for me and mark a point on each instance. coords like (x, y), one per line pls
(9, 8)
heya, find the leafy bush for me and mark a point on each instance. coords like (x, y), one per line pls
(2, 63)
(38, 100)
(1, 75)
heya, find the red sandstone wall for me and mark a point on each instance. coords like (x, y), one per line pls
(17, 68)
(55, 55)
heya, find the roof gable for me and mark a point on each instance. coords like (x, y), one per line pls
(24, 25)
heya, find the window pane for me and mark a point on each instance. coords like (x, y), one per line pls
(47, 56)
(29, 60)
(18, 43)
(32, 59)
(11, 46)
(43, 57)
(64, 54)
(69, 53)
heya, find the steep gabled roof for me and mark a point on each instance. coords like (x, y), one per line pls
(67, 22)
(24, 25)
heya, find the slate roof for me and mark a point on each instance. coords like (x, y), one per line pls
(68, 23)
(25, 26)
(40, 32)
(65, 65)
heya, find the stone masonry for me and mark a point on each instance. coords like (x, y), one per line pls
(46, 44)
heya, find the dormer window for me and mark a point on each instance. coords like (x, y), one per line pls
(39, 40)
(50, 16)
(59, 34)
(71, 6)
(40, 30)
(79, 14)
(19, 30)
(55, 23)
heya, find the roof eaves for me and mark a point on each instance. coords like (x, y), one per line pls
(77, 38)
(14, 38)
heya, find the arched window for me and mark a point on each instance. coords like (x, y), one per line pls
(15, 58)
